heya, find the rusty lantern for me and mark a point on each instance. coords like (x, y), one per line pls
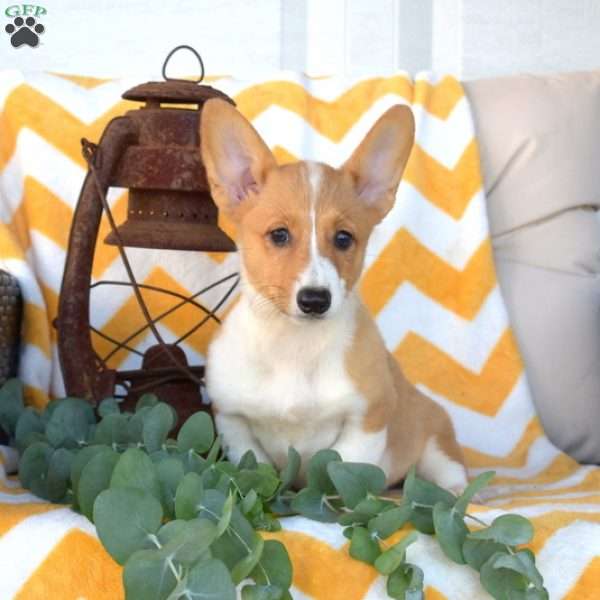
(154, 152)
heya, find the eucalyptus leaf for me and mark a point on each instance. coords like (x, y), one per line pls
(80, 460)
(215, 451)
(126, 519)
(373, 506)
(95, 477)
(476, 552)
(317, 475)
(59, 471)
(148, 575)
(522, 562)
(248, 460)
(473, 488)
(247, 564)
(451, 531)
(170, 473)
(365, 511)
(423, 496)
(354, 481)
(250, 501)
(188, 496)
(192, 463)
(11, 405)
(170, 530)
(531, 593)
(135, 425)
(364, 546)
(225, 518)
(33, 467)
(506, 529)
(262, 480)
(146, 401)
(262, 592)
(234, 546)
(501, 583)
(71, 401)
(210, 580)
(29, 439)
(224, 483)
(422, 520)
(422, 491)
(312, 503)
(191, 542)
(160, 455)
(157, 424)
(29, 422)
(275, 565)
(290, 472)
(113, 429)
(389, 521)
(281, 506)
(393, 557)
(69, 424)
(108, 406)
(406, 583)
(197, 433)
(136, 470)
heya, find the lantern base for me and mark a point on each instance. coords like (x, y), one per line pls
(159, 376)
(172, 236)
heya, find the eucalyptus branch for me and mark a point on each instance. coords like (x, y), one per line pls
(139, 485)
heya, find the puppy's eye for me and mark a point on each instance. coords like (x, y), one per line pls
(280, 236)
(343, 240)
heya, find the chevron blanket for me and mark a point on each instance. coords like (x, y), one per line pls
(429, 281)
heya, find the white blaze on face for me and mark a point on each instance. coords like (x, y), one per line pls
(320, 271)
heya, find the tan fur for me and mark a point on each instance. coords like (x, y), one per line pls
(410, 416)
(260, 197)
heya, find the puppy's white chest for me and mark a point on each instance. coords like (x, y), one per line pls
(290, 384)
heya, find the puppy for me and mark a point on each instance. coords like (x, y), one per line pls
(299, 361)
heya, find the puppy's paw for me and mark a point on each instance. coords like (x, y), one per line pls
(442, 470)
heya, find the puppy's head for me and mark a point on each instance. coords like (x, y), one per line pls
(302, 228)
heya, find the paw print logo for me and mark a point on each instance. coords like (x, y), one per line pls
(24, 31)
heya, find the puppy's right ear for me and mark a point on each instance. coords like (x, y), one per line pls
(235, 157)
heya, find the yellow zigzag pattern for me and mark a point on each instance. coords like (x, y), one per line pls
(404, 259)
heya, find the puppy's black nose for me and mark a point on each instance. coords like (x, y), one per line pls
(314, 300)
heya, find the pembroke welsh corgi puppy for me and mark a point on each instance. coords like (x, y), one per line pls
(299, 361)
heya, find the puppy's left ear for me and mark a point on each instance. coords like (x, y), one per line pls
(376, 166)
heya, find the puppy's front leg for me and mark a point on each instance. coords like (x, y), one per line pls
(355, 444)
(238, 438)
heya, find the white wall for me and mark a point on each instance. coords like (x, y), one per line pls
(470, 38)
(481, 38)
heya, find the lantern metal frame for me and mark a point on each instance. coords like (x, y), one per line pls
(154, 152)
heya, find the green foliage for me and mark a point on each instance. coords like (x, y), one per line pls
(506, 529)
(95, 477)
(355, 481)
(184, 521)
(11, 405)
(451, 531)
(364, 545)
(313, 504)
(394, 557)
(406, 582)
(127, 519)
(197, 433)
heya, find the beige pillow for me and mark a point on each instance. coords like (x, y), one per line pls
(540, 152)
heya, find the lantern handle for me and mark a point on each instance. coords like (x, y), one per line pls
(194, 52)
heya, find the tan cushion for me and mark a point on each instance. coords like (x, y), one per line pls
(540, 151)
(539, 144)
